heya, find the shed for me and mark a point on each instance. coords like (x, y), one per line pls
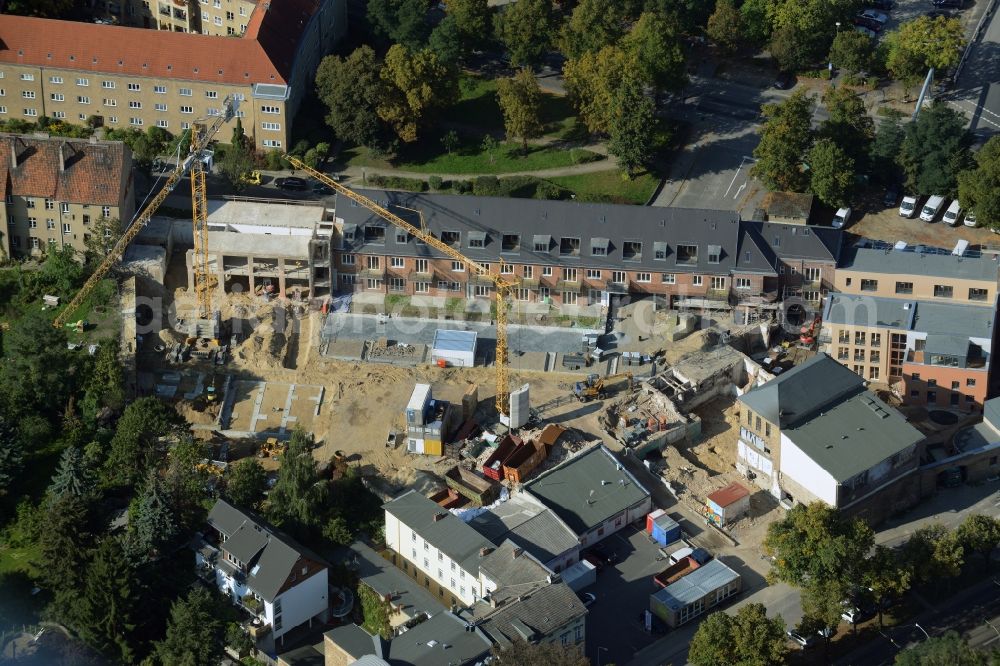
(662, 528)
(457, 348)
(728, 504)
(695, 593)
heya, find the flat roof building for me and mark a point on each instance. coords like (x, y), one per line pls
(694, 594)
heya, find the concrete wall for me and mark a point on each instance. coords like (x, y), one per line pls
(801, 469)
(849, 282)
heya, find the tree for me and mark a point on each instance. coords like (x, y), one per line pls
(592, 83)
(135, 447)
(72, 476)
(110, 606)
(401, 21)
(811, 24)
(632, 123)
(822, 604)
(195, 631)
(979, 534)
(935, 149)
(979, 188)
(654, 45)
(520, 100)
(239, 639)
(946, 650)
(488, 146)
(785, 139)
(104, 388)
(852, 51)
(298, 496)
(932, 553)
(38, 374)
(235, 162)
(337, 531)
(526, 28)
(65, 542)
(43, 8)
(11, 457)
(151, 520)
(351, 89)
(593, 25)
(886, 576)
(922, 43)
(185, 482)
(748, 638)
(725, 27)
(246, 482)
(446, 41)
(886, 147)
(789, 49)
(450, 141)
(757, 20)
(831, 173)
(520, 653)
(415, 84)
(472, 19)
(103, 235)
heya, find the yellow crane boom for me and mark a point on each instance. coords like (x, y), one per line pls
(200, 138)
(501, 285)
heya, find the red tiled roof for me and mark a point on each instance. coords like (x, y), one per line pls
(94, 173)
(263, 55)
(731, 493)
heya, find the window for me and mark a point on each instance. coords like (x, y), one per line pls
(458, 266)
(33, 242)
(876, 340)
(133, 87)
(397, 284)
(83, 99)
(687, 254)
(270, 109)
(593, 274)
(943, 291)
(811, 274)
(27, 77)
(186, 109)
(932, 382)
(50, 204)
(160, 90)
(66, 228)
(347, 260)
(29, 203)
(843, 353)
(162, 123)
(160, 107)
(522, 294)
(135, 121)
(374, 263)
(668, 278)
(506, 269)
(110, 85)
(396, 262)
(230, 16)
(59, 115)
(271, 126)
(184, 92)
(3, 109)
(113, 119)
(528, 272)
(569, 297)
(421, 287)
(742, 283)
(859, 355)
(718, 283)
(618, 277)
(217, 20)
(105, 210)
(714, 253)
(110, 102)
(977, 294)
(767, 429)
(32, 222)
(859, 370)
(50, 224)
(546, 271)
(632, 251)
(83, 82)
(271, 143)
(55, 79)
(869, 285)
(569, 247)
(970, 381)
(211, 94)
(954, 386)
(31, 112)
(643, 277)
(185, 125)
(904, 287)
(697, 280)
(134, 104)
(875, 357)
(28, 94)
(932, 396)
(510, 243)
(859, 338)
(58, 97)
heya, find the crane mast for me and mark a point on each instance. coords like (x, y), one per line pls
(501, 285)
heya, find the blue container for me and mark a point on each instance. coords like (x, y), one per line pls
(665, 530)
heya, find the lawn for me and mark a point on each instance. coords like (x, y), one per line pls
(608, 186)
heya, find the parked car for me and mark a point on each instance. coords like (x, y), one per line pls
(879, 17)
(954, 212)
(970, 219)
(908, 207)
(931, 209)
(891, 195)
(841, 219)
(805, 642)
(587, 599)
(291, 183)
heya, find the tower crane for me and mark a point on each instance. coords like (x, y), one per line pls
(202, 133)
(502, 285)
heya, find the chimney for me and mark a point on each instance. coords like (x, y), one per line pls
(483, 552)
(62, 157)
(517, 552)
(438, 516)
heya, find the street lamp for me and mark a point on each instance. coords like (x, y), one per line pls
(599, 648)
(923, 630)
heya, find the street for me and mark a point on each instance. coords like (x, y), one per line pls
(977, 90)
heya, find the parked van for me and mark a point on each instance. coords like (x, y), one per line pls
(953, 213)
(908, 207)
(931, 208)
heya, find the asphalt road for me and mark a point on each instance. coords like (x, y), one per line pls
(977, 90)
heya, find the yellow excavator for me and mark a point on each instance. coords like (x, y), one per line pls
(595, 386)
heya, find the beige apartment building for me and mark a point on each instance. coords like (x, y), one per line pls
(133, 77)
(222, 18)
(56, 190)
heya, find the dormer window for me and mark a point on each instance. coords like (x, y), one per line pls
(632, 251)
(599, 247)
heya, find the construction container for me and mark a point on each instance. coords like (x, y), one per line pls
(454, 348)
(523, 461)
(650, 517)
(493, 466)
(480, 491)
(417, 407)
(580, 575)
(676, 571)
(727, 504)
(415, 445)
(664, 529)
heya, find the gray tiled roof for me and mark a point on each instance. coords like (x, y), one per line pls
(803, 391)
(929, 317)
(528, 524)
(450, 535)
(382, 576)
(798, 241)
(246, 542)
(539, 613)
(875, 260)
(443, 640)
(226, 518)
(355, 641)
(512, 569)
(588, 489)
(854, 435)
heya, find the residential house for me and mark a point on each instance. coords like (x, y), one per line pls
(816, 433)
(264, 571)
(531, 525)
(57, 190)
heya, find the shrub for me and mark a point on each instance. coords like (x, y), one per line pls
(486, 186)
(462, 186)
(547, 190)
(435, 182)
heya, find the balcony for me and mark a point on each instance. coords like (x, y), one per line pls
(164, 11)
(180, 14)
(569, 285)
(749, 297)
(717, 294)
(529, 282)
(373, 272)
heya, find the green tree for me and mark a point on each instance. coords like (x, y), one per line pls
(979, 188)
(450, 141)
(520, 100)
(246, 482)
(831, 172)
(185, 481)
(654, 46)
(812, 24)
(592, 83)
(38, 373)
(195, 631)
(886, 147)
(935, 150)
(593, 25)
(922, 43)
(61, 272)
(979, 534)
(103, 235)
(632, 124)
(135, 447)
(338, 532)
(415, 84)
(110, 606)
(72, 476)
(886, 576)
(757, 20)
(785, 140)
(789, 49)
(239, 639)
(472, 18)
(104, 387)
(748, 638)
(522, 653)
(351, 89)
(446, 41)
(297, 499)
(400, 21)
(11, 457)
(932, 553)
(822, 604)
(852, 51)
(526, 28)
(946, 650)
(725, 27)
(488, 146)
(42, 8)
(849, 125)
(151, 520)
(65, 542)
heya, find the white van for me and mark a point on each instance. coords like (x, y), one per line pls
(931, 208)
(953, 213)
(908, 207)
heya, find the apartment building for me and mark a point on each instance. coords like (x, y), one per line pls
(121, 76)
(56, 190)
(578, 255)
(223, 18)
(816, 433)
(921, 322)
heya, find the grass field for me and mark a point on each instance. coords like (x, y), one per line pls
(608, 186)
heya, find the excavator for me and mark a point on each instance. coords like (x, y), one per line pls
(595, 386)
